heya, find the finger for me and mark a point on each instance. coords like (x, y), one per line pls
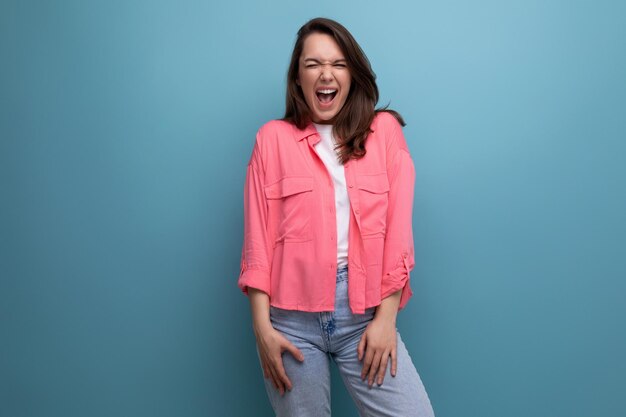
(367, 362)
(280, 371)
(268, 369)
(361, 347)
(394, 362)
(295, 352)
(382, 369)
(277, 381)
(262, 364)
(374, 368)
(273, 378)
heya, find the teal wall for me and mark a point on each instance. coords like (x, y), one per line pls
(125, 131)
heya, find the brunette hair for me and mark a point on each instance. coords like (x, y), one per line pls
(352, 125)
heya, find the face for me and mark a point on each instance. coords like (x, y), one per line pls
(323, 77)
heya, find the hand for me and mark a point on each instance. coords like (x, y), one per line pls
(377, 343)
(271, 345)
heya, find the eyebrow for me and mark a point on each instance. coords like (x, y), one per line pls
(316, 60)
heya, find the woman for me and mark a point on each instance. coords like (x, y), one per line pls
(328, 241)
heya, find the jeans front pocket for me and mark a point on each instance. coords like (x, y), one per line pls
(276, 314)
(290, 198)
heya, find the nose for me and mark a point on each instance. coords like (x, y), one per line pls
(327, 73)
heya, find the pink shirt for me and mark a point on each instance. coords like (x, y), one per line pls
(290, 235)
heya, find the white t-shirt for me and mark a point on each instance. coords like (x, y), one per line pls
(325, 149)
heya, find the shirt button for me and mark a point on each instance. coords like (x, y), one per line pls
(356, 211)
(350, 185)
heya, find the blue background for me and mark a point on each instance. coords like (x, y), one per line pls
(125, 132)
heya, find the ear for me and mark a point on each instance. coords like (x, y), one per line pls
(297, 81)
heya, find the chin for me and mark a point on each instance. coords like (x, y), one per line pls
(321, 121)
(325, 118)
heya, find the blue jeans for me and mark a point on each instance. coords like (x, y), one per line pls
(324, 335)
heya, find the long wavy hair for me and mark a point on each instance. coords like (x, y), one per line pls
(352, 125)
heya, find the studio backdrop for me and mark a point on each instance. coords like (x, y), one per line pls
(125, 130)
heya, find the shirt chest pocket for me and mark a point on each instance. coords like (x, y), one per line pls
(373, 202)
(289, 203)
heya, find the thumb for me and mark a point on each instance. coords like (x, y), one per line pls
(361, 346)
(294, 351)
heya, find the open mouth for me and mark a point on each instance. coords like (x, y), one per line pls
(326, 96)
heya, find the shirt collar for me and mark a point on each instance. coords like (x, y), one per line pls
(308, 130)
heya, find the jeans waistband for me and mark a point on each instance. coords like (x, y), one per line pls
(342, 273)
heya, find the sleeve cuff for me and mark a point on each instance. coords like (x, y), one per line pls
(255, 278)
(398, 278)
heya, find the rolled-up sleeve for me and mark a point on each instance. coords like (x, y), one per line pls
(255, 252)
(398, 255)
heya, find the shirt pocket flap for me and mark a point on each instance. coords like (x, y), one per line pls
(288, 186)
(374, 183)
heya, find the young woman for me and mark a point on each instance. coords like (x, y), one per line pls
(328, 241)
